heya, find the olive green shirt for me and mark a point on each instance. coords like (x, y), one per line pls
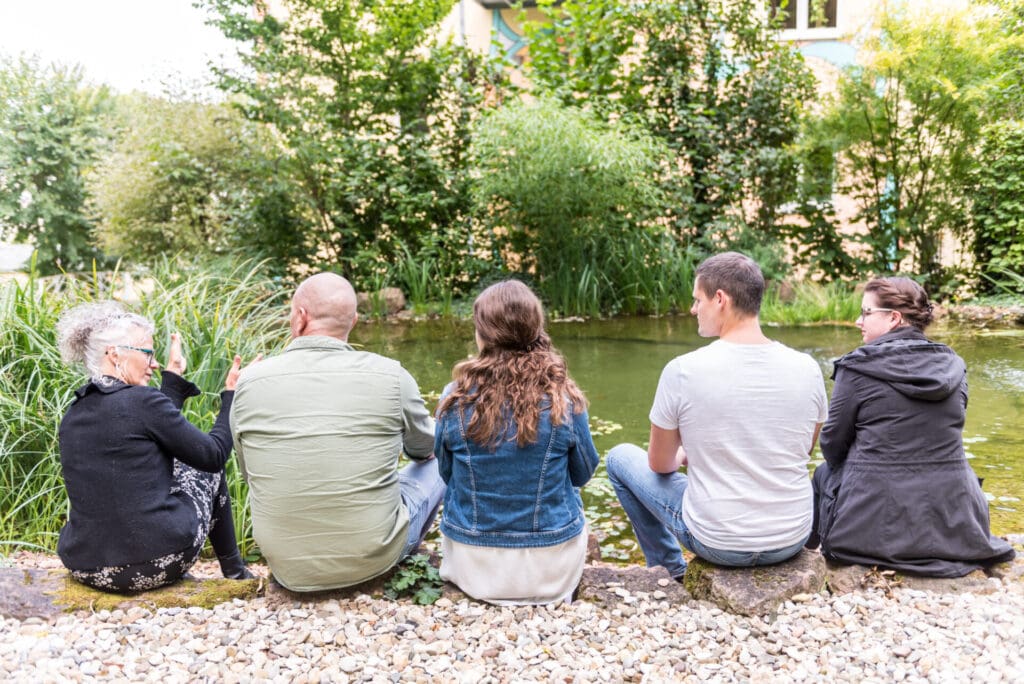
(318, 431)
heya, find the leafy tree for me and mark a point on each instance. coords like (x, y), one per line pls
(194, 177)
(905, 126)
(999, 207)
(707, 78)
(374, 113)
(52, 129)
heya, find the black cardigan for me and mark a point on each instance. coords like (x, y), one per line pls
(118, 443)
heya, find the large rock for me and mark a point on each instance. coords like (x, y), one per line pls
(389, 300)
(756, 591)
(28, 593)
(608, 584)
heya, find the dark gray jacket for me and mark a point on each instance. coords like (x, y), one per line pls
(898, 491)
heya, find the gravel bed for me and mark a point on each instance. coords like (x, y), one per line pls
(910, 636)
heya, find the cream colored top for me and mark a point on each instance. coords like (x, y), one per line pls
(515, 577)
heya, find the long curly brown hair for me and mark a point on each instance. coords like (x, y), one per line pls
(516, 372)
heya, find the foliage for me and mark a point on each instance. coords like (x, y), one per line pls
(707, 78)
(415, 577)
(811, 302)
(52, 128)
(375, 115)
(999, 206)
(572, 203)
(220, 312)
(194, 177)
(904, 126)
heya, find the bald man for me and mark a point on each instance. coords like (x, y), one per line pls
(318, 431)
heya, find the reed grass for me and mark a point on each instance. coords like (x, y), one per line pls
(219, 310)
(650, 273)
(812, 302)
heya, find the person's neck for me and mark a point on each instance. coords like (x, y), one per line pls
(743, 331)
(322, 332)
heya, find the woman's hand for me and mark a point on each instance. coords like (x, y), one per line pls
(175, 360)
(236, 370)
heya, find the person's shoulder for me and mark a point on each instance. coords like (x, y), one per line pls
(798, 366)
(694, 356)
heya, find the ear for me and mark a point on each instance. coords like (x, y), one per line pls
(299, 322)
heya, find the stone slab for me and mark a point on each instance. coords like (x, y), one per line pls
(608, 584)
(844, 579)
(28, 593)
(759, 590)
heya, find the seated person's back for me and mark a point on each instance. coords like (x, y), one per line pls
(319, 430)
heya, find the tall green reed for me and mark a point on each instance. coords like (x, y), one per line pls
(219, 309)
(811, 302)
(644, 272)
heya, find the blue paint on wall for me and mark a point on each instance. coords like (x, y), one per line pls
(832, 51)
(512, 41)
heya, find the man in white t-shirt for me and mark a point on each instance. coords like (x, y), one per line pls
(743, 415)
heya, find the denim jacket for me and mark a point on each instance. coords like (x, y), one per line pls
(511, 496)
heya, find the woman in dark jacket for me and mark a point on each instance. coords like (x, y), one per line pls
(896, 490)
(146, 487)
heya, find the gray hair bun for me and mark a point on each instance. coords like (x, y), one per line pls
(76, 326)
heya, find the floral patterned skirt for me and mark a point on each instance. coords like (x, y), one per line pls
(208, 493)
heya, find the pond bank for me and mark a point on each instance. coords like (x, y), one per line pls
(877, 633)
(983, 316)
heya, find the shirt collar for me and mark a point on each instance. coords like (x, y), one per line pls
(318, 342)
(93, 386)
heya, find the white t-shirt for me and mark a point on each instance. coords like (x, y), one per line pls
(746, 414)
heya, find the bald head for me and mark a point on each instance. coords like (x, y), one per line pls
(324, 304)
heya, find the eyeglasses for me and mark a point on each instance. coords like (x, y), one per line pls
(147, 352)
(864, 313)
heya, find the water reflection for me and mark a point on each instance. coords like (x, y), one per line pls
(618, 362)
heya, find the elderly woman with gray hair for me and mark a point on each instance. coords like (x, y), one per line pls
(146, 487)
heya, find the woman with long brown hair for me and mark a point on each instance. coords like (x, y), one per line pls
(513, 444)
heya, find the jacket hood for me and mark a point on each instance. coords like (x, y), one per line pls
(911, 363)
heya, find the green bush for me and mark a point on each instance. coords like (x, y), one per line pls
(998, 210)
(218, 313)
(573, 205)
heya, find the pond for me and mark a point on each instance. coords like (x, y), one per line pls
(617, 363)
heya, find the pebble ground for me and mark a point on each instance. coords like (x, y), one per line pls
(909, 636)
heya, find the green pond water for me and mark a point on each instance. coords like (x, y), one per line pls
(617, 364)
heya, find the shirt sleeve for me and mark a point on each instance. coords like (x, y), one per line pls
(665, 411)
(441, 451)
(841, 425)
(820, 395)
(417, 423)
(182, 440)
(583, 456)
(177, 388)
(233, 427)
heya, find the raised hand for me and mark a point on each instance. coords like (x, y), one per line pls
(175, 359)
(236, 370)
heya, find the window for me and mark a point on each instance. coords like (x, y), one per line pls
(806, 18)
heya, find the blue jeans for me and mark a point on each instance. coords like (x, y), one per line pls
(422, 492)
(654, 504)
